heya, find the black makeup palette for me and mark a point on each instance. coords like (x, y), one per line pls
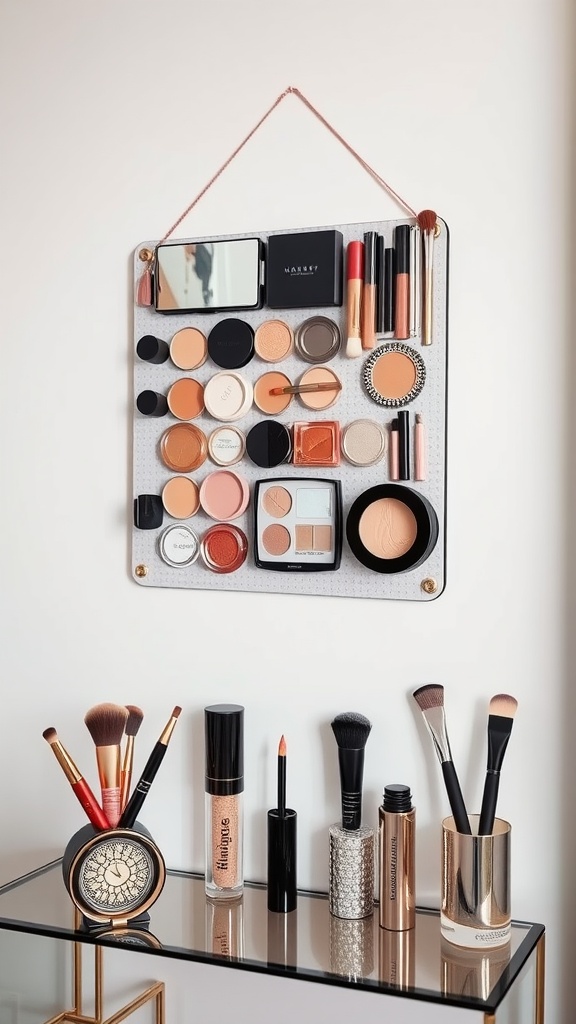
(243, 369)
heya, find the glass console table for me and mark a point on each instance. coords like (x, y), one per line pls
(309, 944)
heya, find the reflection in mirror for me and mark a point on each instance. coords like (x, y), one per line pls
(203, 276)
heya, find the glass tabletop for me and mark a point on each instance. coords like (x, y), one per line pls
(309, 943)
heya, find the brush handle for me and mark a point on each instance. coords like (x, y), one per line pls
(456, 799)
(488, 809)
(427, 290)
(133, 807)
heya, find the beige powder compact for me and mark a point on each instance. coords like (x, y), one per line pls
(391, 528)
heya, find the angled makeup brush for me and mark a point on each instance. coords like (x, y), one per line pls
(430, 700)
(427, 221)
(351, 731)
(105, 723)
(500, 722)
(132, 809)
(79, 785)
(133, 723)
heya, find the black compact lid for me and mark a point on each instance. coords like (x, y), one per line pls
(282, 896)
(152, 350)
(397, 798)
(269, 443)
(224, 738)
(305, 269)
(231, 343)
(426, 528)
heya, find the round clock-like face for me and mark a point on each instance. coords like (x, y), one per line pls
(116, 876)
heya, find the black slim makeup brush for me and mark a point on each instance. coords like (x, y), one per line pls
(500, 722)
(430, 700)
(282, 777)
(351, 731)
(132, 809)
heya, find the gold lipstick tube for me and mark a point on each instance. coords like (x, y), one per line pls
(397, 859)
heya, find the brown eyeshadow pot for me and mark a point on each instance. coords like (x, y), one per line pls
(183, 447)
(394, 375)
(391, 528)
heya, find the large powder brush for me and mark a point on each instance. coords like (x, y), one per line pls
(106, 723)
(351, 731)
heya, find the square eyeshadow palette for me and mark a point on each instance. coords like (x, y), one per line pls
(270, 455)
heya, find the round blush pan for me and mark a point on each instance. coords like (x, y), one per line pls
(188, 349)
(320, 399)
(224, 548)
(394, 375)
(276, 539)
(277, 501)
(266, 402)
(181, 497)
(364, 442)
(273, 341)
(391, 528)
(224, 495)
(186, 399)
(183, 447)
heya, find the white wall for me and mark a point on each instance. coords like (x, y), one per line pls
(113, 116)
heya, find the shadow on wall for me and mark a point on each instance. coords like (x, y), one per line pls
(568, 758)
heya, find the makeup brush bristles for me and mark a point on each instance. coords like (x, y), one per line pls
(427, 220)
(429, 696)
(503, 705)
(106, 724)
(50, 735)
(134, 720)
(351, 730)
(176, 712)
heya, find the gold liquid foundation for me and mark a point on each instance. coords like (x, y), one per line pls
(397, 859)
(224, 785)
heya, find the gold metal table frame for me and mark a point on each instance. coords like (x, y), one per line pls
(156, 994)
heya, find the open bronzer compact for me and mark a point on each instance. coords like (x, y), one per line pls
(290, 412)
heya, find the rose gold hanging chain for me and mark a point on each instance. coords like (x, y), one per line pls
(295, 92)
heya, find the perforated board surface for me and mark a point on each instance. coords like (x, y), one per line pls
(150, 474)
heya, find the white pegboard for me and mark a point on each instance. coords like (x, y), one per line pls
(150, 474)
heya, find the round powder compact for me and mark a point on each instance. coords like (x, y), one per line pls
(266, 402)
(269, 443)
(188, 349)
(391, 528)
(276, 539)
(224, 548)
(277, 501)
(364, 442)
(318, 339)
(394, 375)
(226, 445)
(231, 344)
(224, 495)
(181, 497)
(179, 546)
(186, 399)
(320, 399)
(183, 447)
(273, 341)
(228, 396)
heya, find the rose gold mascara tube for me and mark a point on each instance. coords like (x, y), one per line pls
(224, 786)
(397, 859)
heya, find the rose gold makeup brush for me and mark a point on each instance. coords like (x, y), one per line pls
(133, 723)
(106, 723)
(500, 722)
(430, 700)
(427, 221)
(301, 389)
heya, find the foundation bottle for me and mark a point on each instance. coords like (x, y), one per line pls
(224, 786)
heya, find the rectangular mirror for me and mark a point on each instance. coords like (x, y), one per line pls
(202, 277)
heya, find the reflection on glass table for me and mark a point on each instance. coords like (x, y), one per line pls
(308, 944)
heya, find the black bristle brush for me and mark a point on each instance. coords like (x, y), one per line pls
(351, 731)
(500, 720)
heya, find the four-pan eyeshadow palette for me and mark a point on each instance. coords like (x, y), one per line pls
(297, 524)
(271, 454)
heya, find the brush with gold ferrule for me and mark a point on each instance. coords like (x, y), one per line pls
(106, 723)
(133, 723)
(80, 787)
(132, 809)
(427, 222)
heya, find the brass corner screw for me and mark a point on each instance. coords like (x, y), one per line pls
(145, 255)
(429, 586)
(141, 570)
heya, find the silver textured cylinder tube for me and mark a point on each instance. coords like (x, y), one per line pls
(351, 888)
(352, 947)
